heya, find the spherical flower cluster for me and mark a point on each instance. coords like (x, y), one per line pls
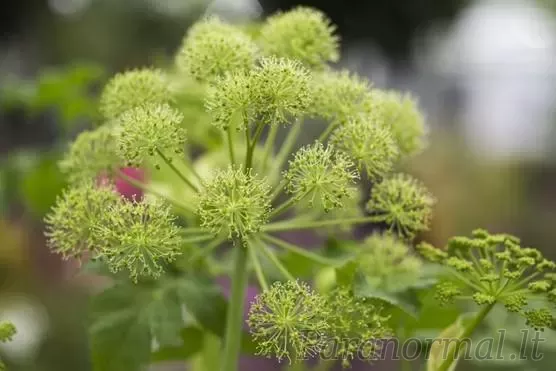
(94, 152)
(279, 90)
(138, 237)
(235, 203)
(7, 331)
(368, 143)
(150, 130)
(68, 225)
(493, 268)
(400, 113)
(131, 89)
(321, 175)
(403, 203)
(213, 48)
(304, 34)
(228, 102)
(339, 95)
(289, 321)
(388, 263)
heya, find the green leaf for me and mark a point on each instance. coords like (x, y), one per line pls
(444, 343)
(192, 343)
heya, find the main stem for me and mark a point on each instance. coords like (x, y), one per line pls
(234, 319)
(469, 329)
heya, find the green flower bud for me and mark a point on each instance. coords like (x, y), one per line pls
(551, 295)
(138, 237)
(504, 256)
(431, 253)
(511, 275)
(539, 318)
(304, 34)
(131, 89)
(279, 90)
(7, 331)
(486, 264)
(515, 303)
(403, 203)
(322, 175)
(401, 115)
(339, 95)
(289, 321)
(481, 298)
(388, 262)
(540, 286)
(480, 233)
(446, 292)
(490, 277)
(213, 48)
(545, 265)
(459, 264)
(91, 154)
(148, 130)
(228, 102)
(369, 143)
(68, 225)
(356, 326)
(234, 203)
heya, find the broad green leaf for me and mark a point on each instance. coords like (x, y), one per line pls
(192, 343)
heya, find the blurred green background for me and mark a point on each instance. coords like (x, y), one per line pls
(485, 73)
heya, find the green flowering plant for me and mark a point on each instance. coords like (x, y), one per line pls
(7, 332)
(213, 210)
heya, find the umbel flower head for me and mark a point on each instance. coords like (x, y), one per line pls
(138, 237)
(403, 203)
(150, 130)
(356, 327)
(235, 203)
(213, 48)
(492, 268)
(339, 95)
(401, 114)
(93, 153)
(304, 34)
(321, 175)
(368, 143)
(289, 321)
(133, 88)
(279, 90)
(68, 225)
(228, 101)
(388, 263)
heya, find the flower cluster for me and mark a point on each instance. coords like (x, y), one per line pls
(495, 268)
(290, 320)
(7, 332)
(257, 90)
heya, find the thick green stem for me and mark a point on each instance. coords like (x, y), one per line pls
(231, 146)
(468, 331)
(327, 132)
(283, 207)
(234, 319)
(257, 266)
(274, 259)
(286, 148)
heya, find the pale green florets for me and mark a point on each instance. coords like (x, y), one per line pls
(403, 203)
(339, 95)
(304, 34)
(321, 175)
(356, 327)
(493, 268)
(289, 321)
(388, 263)
(234, 203)
(213, 48)
(93, 153)
(280, 90)
(68, 225)
(368, 143)
(228, 102)
(133, 88)
(139, 237)
(401, 114)
(150, 130)
(446, 292)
